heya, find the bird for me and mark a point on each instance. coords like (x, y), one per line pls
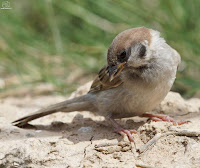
(141, 69)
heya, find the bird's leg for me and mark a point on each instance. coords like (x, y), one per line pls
(122, 131)
(156, 117)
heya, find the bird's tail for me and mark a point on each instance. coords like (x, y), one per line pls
(81, 103)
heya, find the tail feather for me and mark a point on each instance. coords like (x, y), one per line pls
(77, 104)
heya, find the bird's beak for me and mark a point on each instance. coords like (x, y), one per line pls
(114, 71)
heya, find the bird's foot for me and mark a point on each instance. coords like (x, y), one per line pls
(123, 132)
(156, 117)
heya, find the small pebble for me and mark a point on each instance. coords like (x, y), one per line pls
(85, 129)
(15, 164)
(38, 131)
(30, 135)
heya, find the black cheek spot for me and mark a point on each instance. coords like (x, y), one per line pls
(142, 51)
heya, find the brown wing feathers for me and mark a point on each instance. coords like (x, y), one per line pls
(102, 82)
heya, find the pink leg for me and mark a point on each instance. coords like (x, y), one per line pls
(166, 118)
(122, 131)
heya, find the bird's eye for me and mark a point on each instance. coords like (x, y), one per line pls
(142, 51)
(122, 56)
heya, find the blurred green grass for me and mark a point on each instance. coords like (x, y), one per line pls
(65, 42)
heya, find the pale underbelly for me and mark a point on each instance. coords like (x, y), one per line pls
(137, 103)
(121, 102)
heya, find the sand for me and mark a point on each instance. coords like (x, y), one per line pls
(81, 139)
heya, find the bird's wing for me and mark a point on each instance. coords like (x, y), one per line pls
(102, 81)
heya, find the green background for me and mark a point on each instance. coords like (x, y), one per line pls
(65, 42)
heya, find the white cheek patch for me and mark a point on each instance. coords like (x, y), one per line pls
(156, 41)
(146, 42)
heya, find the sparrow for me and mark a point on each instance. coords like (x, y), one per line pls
(140, 71)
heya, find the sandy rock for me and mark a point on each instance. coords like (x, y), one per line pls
(81, 139)
(173, 104)
(81, 90)
(193, 105)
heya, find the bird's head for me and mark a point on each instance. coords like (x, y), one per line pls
(131, 49)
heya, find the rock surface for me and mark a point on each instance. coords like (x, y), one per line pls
(81, 139)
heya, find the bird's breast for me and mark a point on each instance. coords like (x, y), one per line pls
(137, 99)
(133, 97)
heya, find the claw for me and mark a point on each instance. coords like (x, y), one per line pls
(123, 132)
(165, 118)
